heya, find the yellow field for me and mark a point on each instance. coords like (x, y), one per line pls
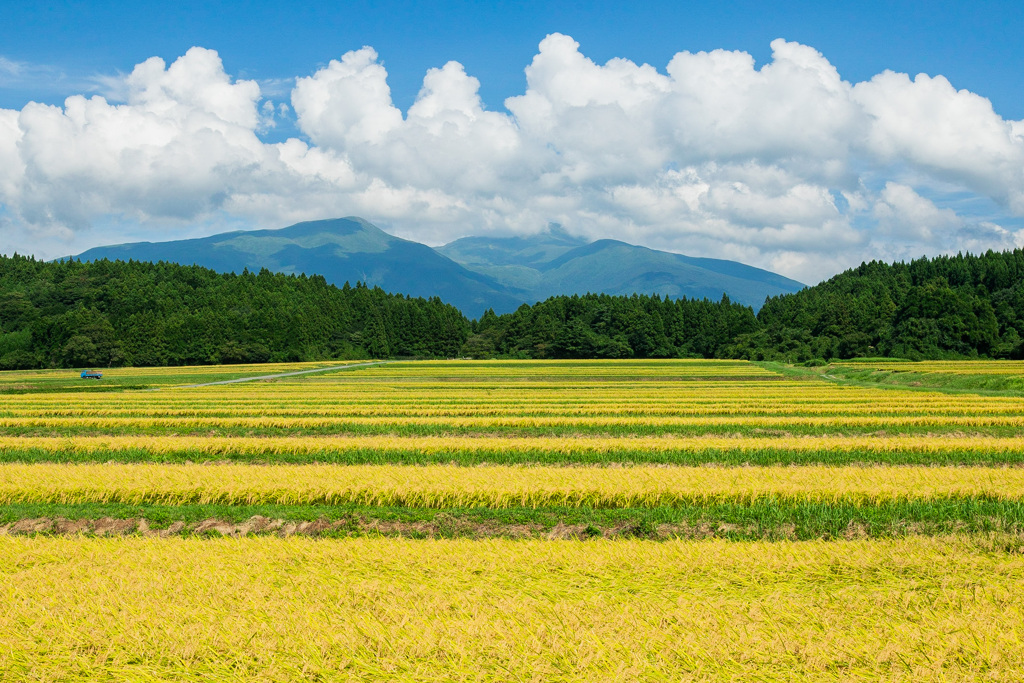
(271, 609)
(948, 367)
(926, 608)
(496, 486)
(493, 397)
(269, 447)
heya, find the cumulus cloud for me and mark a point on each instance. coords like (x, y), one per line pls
(185, 134)
(904, 214)
(954, 134)
(785, 165)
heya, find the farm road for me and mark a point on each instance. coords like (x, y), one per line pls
(283, 374)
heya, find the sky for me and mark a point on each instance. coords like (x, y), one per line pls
(799, 137)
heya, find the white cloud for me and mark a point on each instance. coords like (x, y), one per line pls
(953, 134)
(906, 215)
(786, 166)
(347, 102)
(10, 68)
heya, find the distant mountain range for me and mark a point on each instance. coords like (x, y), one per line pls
(555, 262)
(473, 273)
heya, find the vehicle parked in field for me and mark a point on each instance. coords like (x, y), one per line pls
(91, 374)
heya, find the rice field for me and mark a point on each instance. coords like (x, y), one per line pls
(268, 609)
(506, 520)
(466, 449)
(1009, 368)
(66, 381)
(447, 486)
(512, 399)
(993, 378)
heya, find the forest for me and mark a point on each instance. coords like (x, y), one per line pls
(110, 313)
(104, 313)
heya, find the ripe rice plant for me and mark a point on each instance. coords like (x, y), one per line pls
(354, 449)
(683, 412)
(922, 609)
(499, 487)
(493, 399)
(155, 606)
(454, 444)
(950, 367)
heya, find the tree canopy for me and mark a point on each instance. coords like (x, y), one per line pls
(72, 314)
(102, 313)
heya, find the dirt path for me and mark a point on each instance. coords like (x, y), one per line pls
(279, 375)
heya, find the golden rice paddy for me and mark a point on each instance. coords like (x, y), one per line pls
(497, 486)
(269, 609)
(78, 608)
(269, 447)
(947, 367)
(496, 398)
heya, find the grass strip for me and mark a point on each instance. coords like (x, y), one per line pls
(909, 379)
(758, 520)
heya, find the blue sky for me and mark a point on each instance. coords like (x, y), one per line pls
(825, 162)
(977, 45)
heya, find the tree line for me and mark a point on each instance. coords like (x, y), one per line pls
(961, 306)
(104, 313)
(108, 313)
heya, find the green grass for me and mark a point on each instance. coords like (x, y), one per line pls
(858, 372)
(988, 385)
(768, 520)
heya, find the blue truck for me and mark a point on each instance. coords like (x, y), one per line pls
(91, 374)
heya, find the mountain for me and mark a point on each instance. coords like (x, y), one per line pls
(473, 273)
(554, 262)
(342, 250)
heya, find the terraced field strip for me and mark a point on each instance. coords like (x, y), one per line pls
(946, 367)
(557, 399)
(269, 446)
(645, 424)
(497, 486)
(269, 609)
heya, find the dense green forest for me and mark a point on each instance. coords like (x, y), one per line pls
(604, 326)
(946, 307)
(72, 314)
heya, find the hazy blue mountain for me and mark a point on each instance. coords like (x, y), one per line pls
(554, 262)
(513, 261)
(473, 273)
(342, 250)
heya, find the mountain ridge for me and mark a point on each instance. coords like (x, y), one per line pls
(473, 273)
(341, 250)
(614, 267)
